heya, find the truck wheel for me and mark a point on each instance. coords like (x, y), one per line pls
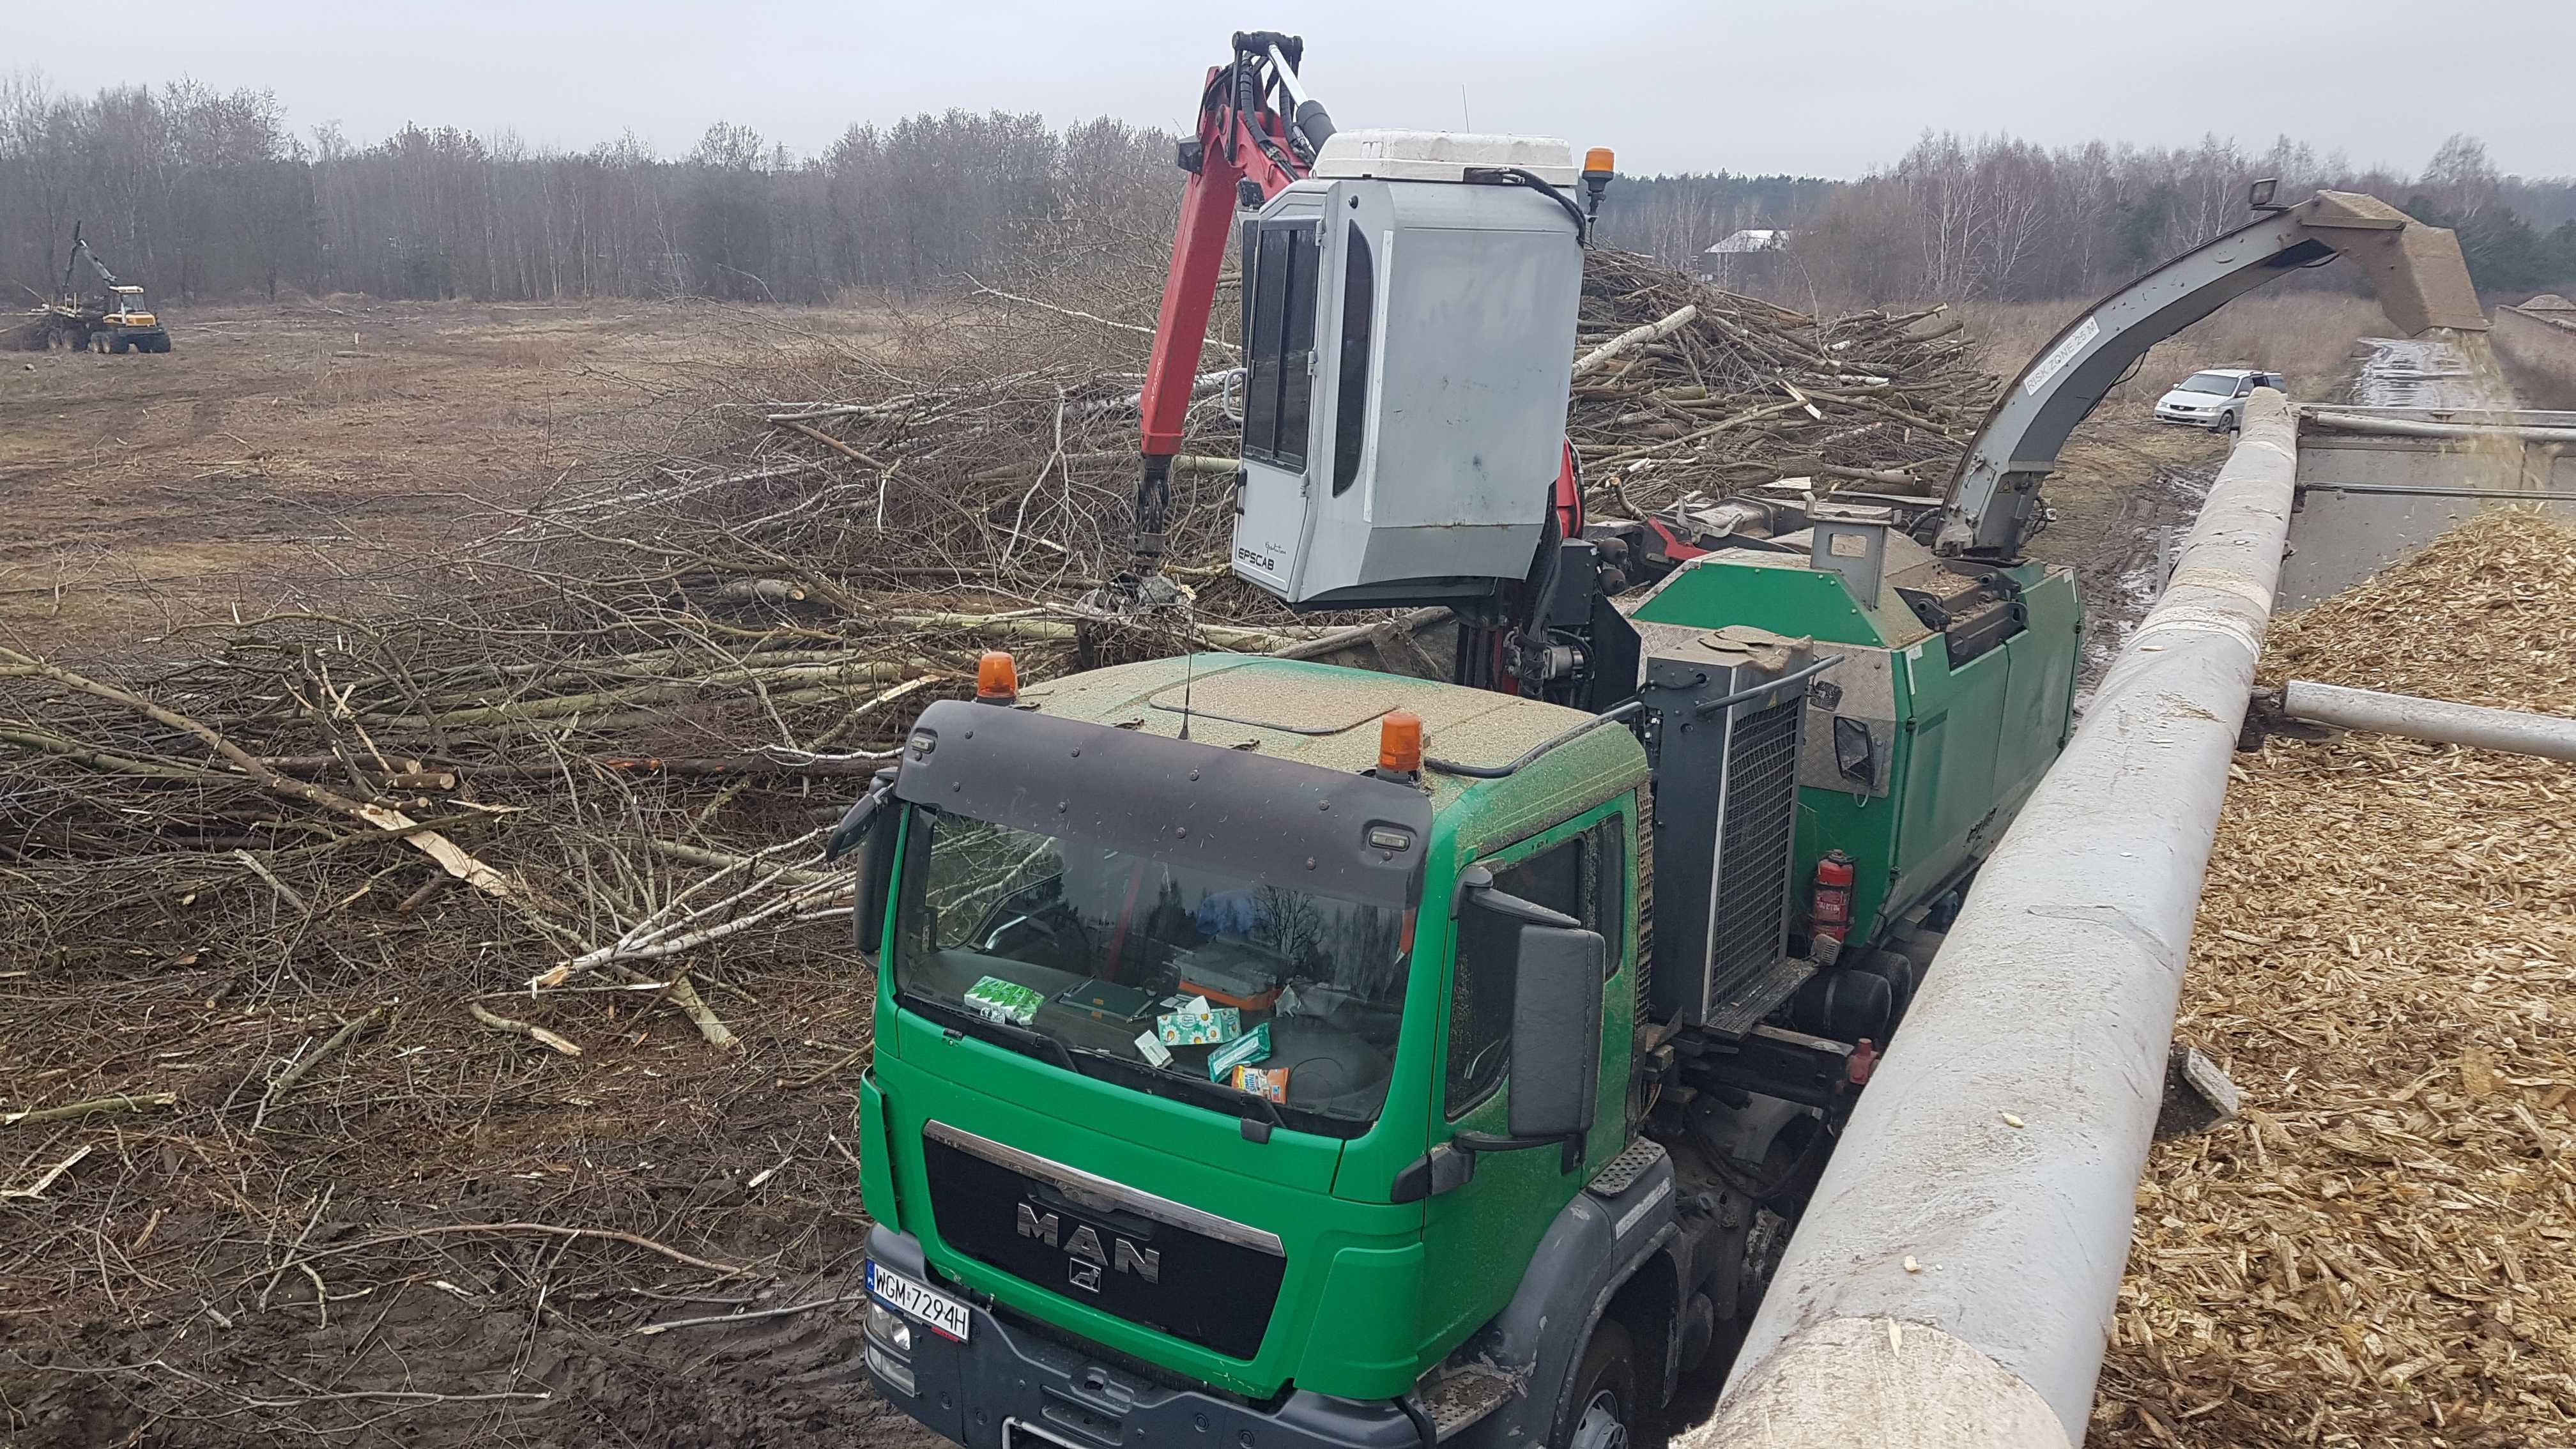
(1603, 1414)
(119, 346)
(1901, 975)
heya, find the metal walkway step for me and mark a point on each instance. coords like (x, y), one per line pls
(1621, 1172)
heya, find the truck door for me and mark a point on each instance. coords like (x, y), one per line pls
(1480, 1236)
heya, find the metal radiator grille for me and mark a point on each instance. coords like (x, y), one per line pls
(1753, 846)
(1645, 899)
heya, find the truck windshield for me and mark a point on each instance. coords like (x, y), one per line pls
(1250, 998)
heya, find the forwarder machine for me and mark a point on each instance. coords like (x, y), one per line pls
(1278, 1055)
(97, 312)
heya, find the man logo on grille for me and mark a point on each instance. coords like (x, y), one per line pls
(1120, 1256)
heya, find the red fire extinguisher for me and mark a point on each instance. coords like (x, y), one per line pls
(1829, 907)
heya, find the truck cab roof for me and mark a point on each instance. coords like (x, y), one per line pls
(1319, 714)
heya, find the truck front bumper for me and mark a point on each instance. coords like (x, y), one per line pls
(1048, 1389)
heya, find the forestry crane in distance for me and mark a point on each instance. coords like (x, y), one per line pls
(99, 312)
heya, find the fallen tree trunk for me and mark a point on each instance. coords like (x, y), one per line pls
(1181, 463)
(1664, 326)
(557, 706)
(69, 1111)
(450, 857)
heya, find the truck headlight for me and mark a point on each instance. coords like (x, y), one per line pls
(895, 1373)
(888, 1328)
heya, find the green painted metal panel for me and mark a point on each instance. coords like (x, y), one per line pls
(1368, 1335)
(1480, 1236)
(1970, 743)
(2039, 717)
(1176, 1151)
(1775, 591)
(876, 1169)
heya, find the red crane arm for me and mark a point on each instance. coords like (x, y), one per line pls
(1246, 142)
(1229, 152)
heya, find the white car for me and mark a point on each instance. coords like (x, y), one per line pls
(2215, 399)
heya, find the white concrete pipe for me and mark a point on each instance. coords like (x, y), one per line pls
(1953, 1280)
(2425, 428)
(2439, 720)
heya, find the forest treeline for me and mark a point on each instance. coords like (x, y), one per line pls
(202, 194)
(2004, 220)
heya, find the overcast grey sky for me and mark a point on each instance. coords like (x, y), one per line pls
(1830, 87)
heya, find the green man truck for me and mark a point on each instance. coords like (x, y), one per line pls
(1276, 1054)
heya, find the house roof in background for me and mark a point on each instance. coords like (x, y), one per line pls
(1752, 239)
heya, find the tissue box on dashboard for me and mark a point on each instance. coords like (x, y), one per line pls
(1195, 1023)
(1004, 1001)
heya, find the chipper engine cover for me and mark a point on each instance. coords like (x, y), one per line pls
(1409, 313)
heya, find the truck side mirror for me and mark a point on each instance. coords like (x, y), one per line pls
(1556, 1032)
(1556, 968)
(868, 833)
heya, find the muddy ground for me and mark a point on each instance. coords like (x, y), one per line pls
(327, 457)
(2123, 500)
(443, 1235)
(323, 454)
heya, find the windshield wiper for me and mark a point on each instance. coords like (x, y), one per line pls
(1021, 1039)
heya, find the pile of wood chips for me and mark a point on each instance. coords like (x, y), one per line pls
(2382, 1250)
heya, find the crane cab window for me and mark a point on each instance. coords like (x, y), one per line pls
(1280, 267)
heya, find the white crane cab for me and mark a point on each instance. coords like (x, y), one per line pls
(1408, 325)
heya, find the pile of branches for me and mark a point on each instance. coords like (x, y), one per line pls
(326, 898)
(612, 733)
(1683, 388)
(990, 454)
(619, 722)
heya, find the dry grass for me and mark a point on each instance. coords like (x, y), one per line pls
(2379, 1253)
(2305, 336)
(298, 453)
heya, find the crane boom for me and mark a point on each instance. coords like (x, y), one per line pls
(1247, 150)
(81, 252)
